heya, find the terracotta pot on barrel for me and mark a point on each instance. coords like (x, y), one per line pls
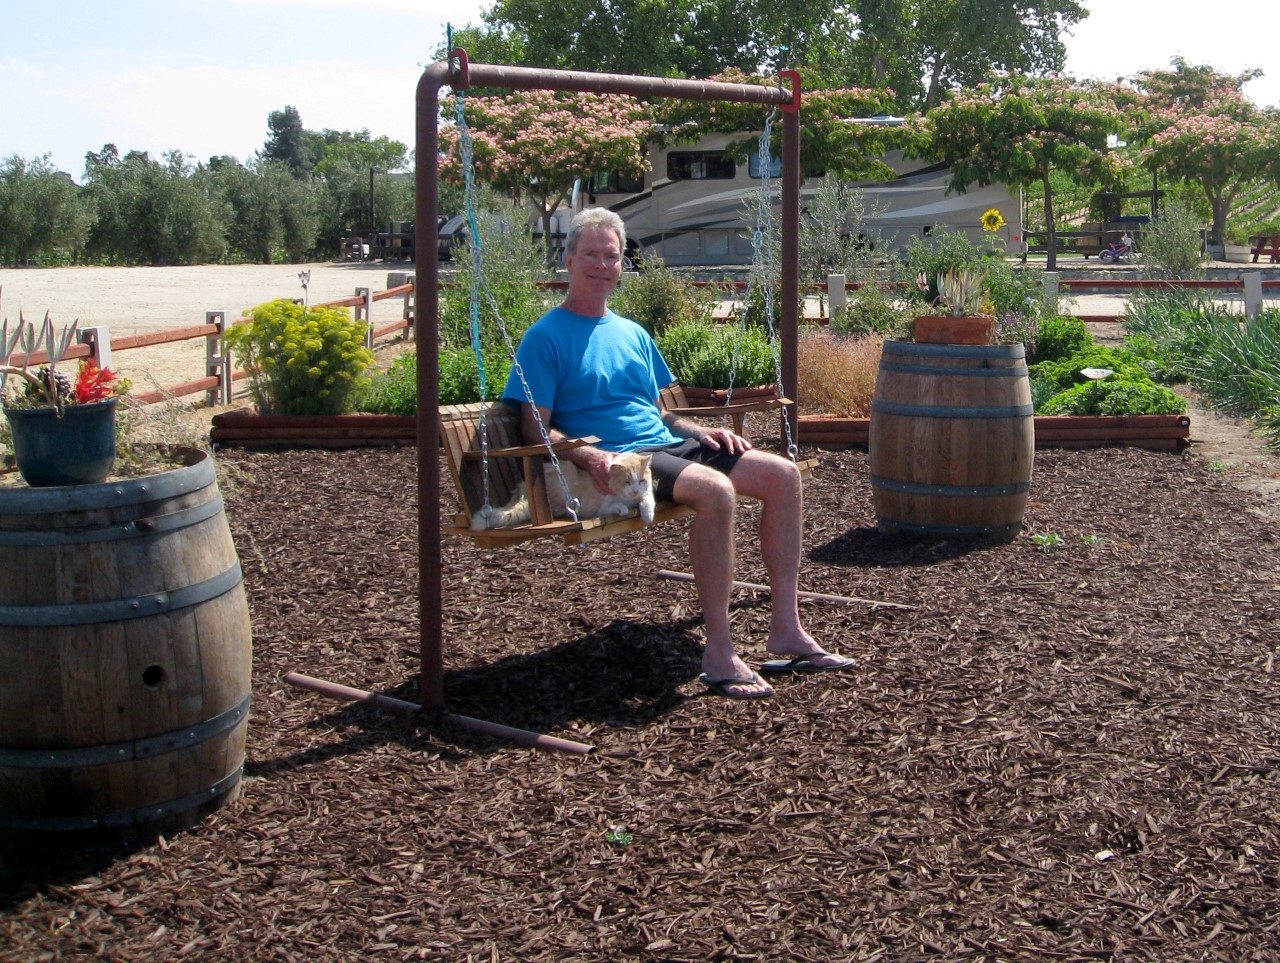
(951, 440)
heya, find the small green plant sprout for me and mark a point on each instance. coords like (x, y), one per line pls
(960, 292)
(619, 836)
(1091, 541)
(1219, 467)
(1050, 542)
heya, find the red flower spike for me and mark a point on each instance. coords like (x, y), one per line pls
(94, 383)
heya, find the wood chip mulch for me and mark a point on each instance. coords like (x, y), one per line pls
(1057, 755)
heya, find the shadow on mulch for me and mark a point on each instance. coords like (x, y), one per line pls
(871, 548)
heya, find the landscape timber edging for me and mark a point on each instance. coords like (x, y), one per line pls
(1155, 432)
(248, 429)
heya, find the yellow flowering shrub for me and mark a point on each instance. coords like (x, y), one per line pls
(301, 361)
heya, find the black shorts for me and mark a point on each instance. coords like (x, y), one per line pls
(670, 460)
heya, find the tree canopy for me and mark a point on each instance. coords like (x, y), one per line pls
(918, 50)
(1197, 126)
(1018, 129)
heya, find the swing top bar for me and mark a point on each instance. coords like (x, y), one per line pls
(459, 73)
(464, 75)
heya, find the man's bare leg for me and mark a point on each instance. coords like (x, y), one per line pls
(711, 556)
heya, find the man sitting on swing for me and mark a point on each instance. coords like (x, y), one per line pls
(592, 372)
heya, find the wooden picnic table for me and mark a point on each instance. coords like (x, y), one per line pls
(1265, 244)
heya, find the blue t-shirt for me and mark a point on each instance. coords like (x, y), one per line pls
(598, 376)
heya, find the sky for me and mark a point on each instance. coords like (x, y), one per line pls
(201, 76)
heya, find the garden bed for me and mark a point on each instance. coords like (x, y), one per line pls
(1064, 754)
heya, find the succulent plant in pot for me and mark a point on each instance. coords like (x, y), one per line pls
(962, 319)
(63, 430)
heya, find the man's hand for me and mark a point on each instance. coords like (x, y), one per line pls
(596, 462)
(723, 439)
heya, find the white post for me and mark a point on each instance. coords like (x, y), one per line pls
(366, 310)
(1050, 296)
(217, 358)
(836, 295)
(99, 341)
(1252, 294)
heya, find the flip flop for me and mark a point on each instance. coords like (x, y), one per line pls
(721, 686)
(805, 664)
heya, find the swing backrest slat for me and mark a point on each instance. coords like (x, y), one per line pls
(460, 441)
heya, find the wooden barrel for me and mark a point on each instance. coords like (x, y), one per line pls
(951, 440)
(124, 653)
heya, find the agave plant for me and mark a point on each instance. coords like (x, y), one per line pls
(960, 292)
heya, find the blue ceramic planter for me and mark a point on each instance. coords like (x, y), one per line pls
(77, 449)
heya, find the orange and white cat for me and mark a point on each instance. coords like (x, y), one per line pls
(630, 489)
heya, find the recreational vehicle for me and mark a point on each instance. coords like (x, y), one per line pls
(694, 205)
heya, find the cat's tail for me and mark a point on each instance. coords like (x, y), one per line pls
(514, 512)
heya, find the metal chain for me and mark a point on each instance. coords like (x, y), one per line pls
(481, 290)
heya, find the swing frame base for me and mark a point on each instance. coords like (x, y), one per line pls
(524, 737)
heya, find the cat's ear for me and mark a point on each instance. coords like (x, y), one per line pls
(644, 461)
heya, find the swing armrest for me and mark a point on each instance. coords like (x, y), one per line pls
(734, 408)
(528, 451)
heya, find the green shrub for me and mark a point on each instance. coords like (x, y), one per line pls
(868, 311)
(659, 298)
(394, 391)
(1059, 337)
(301, 361)
(941, 252)
(1115, 397)
(1171, 244)
(1064, 373)
(701, 354)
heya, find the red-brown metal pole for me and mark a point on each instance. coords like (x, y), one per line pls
(791, 254)
(427, 338)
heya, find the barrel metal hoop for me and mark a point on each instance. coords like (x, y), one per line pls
(125, 817)
(108, 753)
(1007, 532)
(117, 610)
(68, 498)
(989, 351)
(1013, 371)
(958, 412)
(958, 491)
(151, 525)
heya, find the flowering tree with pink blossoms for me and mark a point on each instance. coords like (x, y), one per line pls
(534, 144)
(1199, 127)
(1017, 130)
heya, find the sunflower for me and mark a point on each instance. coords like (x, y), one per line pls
(992, 221)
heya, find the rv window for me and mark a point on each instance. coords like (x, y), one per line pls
(753, 166)
(613, 182)
(700, 165)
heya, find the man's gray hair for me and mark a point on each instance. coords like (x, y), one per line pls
(592, 217)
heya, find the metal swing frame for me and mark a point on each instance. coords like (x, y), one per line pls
(460, 74)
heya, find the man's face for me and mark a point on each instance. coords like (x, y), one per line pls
(596, 266)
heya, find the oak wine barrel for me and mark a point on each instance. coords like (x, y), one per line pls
(951, 440)
(125, 653)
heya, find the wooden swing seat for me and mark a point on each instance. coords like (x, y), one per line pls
(510, 462)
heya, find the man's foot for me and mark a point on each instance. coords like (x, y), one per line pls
(750, 687)
(813, 662)
(802, 654)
